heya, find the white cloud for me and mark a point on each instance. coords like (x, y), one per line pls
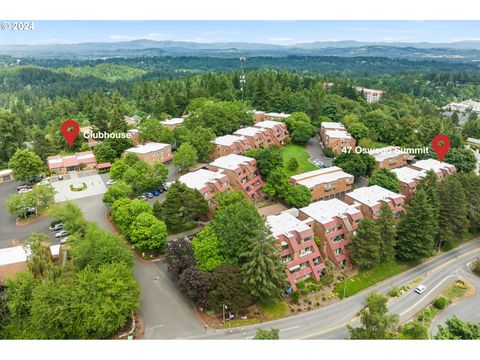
(280, 39)
(150, 36)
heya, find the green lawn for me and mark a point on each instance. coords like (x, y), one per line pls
(300, 153)
(366, 278)
(274, 311)
(245, 322)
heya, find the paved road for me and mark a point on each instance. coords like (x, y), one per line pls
(330, 322)
(466, 309)
(315, 150)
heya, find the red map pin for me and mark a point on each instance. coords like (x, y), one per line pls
(441, 145)
(70, 135)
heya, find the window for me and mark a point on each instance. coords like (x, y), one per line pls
(338, 251)
(303, 265)
(307, 239)
(306, 251)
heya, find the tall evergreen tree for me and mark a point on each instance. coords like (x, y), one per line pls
(366, 244)
(471, 188)
(453, 211)
(416, 231)
(263, 270)
(387, 227)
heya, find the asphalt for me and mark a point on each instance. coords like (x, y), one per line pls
(315, 150)
(330, 322)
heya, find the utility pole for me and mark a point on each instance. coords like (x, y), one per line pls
(242, 76)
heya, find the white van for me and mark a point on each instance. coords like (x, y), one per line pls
(420, 289)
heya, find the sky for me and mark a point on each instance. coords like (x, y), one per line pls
(270, 32)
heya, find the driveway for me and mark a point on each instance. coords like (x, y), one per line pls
(94, 184)
(8, 229)
(315, 150)
(167, 314)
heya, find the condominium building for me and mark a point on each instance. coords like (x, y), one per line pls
(242, 173)
(334, 223)
(408, 179)
(390, 157)
(277, 130)
(209, 183)
(336, 137)
(258, 115)
(171, 124)
(325, 183)
(276, 116)
(298, 249)
(440, 168)
(371, 198)
(370, 95)
(229, 144)
(152, 152)
(257, 137)
(79, 161)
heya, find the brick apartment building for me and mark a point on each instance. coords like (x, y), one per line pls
(277, 130)
(441, 169)
(209, 183)
(229, 144)
(408, 179)
(79, 161)
(171, 124)
(242, 173)
(276, 116)
(325, 183)
(258, 115)
(336, 137)
(371, 198)
(257, 137)
(370, 95)
(334, 223)
(152, 152)
(390, 157)
(298, 249)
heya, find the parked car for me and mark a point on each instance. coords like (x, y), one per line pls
(142, 197)
(43, 182)
(24, 191)
(60, 177)
(23, 186)
(167, 185)
(155, 192)
(57, 227)
(110, 182)
(64, 240)
(420, 289)
(149, 195)
(61, 234)
(29, 211)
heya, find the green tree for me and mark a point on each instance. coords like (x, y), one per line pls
(366, 244)
(228, 288)
(117, 191)
(302, 133)
(42, 146)
(272, 334)
(298, 196)
(457, 329)
(125, 212)
(179, 257)
(351, 163)
(148, 233)
(17, 203)
(387, 227)
(377, 323)
(12, 135)
(463, 159)
(414, 330)
(263, 270)
(40, 260)
(358, 130)
(71, 216)
(206, 250)
(185, 157)
(152, 130)
(196, 285)
(453, 221)
(292, 164)
(386, 179)
(200, 138)
(25, 164)
(267, 159)
(471, 188)
(182, 206)
(104, 153)
(417, 229)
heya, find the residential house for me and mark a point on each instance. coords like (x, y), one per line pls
(325, 183)
(229, 144)
(390, 157)
(79, 161)
(440, 168)
(257, 137)
(277, 130)
(371, 198)
(336, 137)
(370, 95)
(209, 183)
(299, 252)
(152, 152)
(242, 173)
(408, 179)
(6, 175)
(334, 223)
(171, 124)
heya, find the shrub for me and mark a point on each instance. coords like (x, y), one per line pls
(292, 164)
(304, 291)
(300, 285)
(324, 298)
(328, 152)
(476, 267)
(295, 297)
(326, 280)
(394, 291)
(440, 303)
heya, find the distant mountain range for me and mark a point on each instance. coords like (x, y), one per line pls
(455, 51)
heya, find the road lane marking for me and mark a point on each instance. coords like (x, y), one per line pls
(155, 327)
(290, 328)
